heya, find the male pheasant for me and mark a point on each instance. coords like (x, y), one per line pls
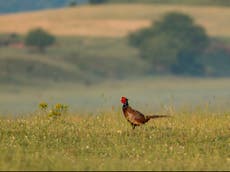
(134, 117)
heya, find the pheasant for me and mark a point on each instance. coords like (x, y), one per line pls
(134, 117)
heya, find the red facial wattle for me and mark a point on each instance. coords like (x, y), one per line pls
(123, 100)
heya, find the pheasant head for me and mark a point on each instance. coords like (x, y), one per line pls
(124, 100)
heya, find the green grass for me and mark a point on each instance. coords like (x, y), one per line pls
(105, 141)
(72, 59)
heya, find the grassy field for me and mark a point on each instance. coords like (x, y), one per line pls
(90, 74)
(112, 20)
(77, 59)
(105, 141)
(86, 60)
(94, 135)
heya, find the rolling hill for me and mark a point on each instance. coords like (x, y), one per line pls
(91, 44)
(112, 20)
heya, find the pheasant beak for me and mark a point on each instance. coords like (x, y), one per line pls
(124, 100)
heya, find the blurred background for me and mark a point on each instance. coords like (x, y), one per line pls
(161, 54)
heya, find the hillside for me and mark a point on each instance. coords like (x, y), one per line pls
(91, 44)
(112, 20)
(84, 60)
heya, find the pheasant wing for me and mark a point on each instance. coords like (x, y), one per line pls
(135, 116)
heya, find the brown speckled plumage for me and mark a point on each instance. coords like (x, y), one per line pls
(134, 117)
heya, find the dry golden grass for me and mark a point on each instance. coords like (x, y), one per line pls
(112, 20)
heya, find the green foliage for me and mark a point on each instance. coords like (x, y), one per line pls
(188, 64)
(217, 60)
(173, 42)
(39, 38)
(105, 141)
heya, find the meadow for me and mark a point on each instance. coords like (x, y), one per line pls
(89, 68)
(105, 141)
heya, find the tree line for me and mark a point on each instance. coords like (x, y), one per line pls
(172, 45)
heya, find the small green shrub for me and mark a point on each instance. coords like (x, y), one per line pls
(55, 111)
(39, 38)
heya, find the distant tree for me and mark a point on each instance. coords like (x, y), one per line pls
(39, 38)
(97, 1)
(72, 4)
(188, 64)
(217, 59)
(172, 43)
(8, 39)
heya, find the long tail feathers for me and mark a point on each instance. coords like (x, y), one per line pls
(157, 116)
